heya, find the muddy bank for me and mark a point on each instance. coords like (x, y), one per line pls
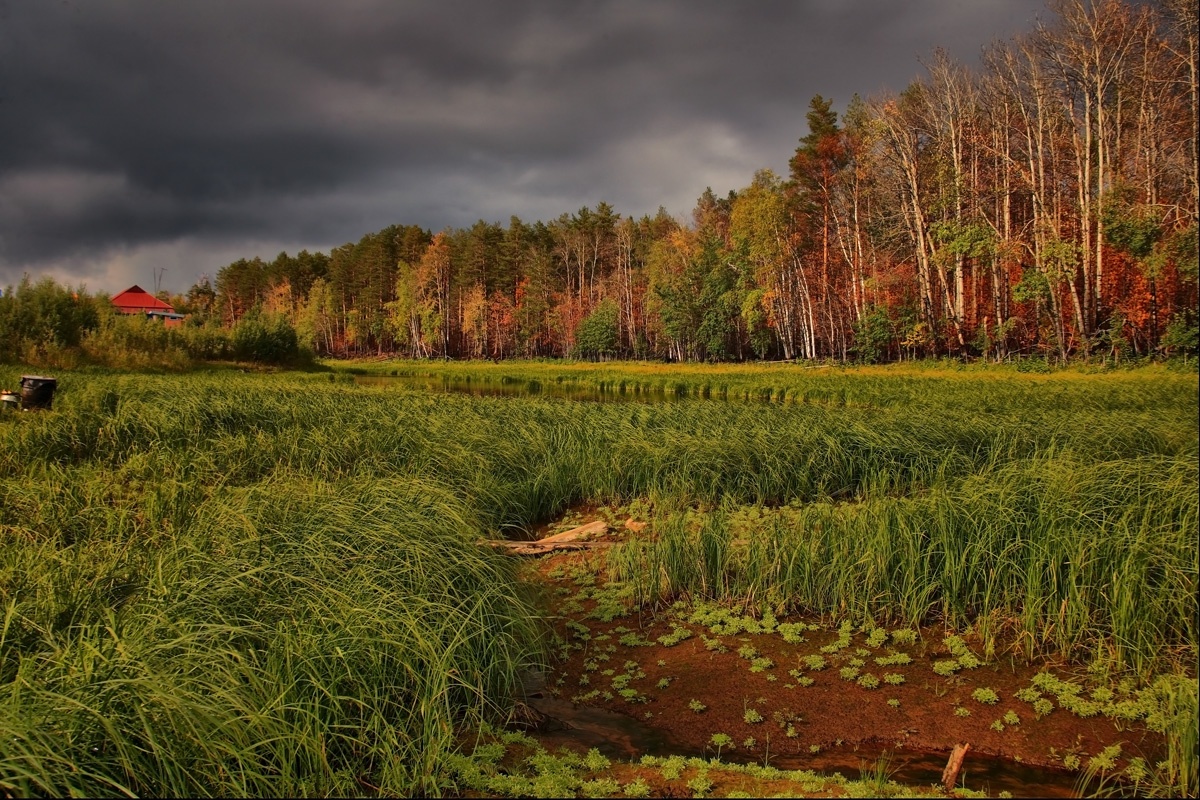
(621, 737)
(656, 684)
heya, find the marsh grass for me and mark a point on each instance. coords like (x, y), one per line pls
(931, 384)
(298, 638)
(1062, 556)
(223, 583)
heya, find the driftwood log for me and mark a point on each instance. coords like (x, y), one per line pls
(568, 540)
(597, 528)
(954, 766)
(537, 548)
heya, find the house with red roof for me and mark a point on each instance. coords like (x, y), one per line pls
(136, 300)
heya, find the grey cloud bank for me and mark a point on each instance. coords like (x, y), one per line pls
(143, 135)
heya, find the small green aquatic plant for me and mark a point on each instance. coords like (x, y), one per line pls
(721, 741)
(986, 696)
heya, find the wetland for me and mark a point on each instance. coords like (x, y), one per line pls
(273, 583)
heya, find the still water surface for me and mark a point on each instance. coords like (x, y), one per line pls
(616, 393)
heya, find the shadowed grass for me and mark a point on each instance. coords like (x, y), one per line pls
(303, 639)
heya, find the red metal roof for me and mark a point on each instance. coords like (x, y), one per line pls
(135, 298)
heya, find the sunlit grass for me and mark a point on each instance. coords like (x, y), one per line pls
(1052, 554)
(269, 584)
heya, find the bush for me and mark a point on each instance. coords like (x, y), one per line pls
(266, 339)
(133, 342)
(207, 342)
(873, 335)
(596, 336)
(1182, 336)
(43, 316)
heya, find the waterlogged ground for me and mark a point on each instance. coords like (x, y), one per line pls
(183, 553)
(810, 699)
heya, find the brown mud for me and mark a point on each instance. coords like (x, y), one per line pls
(684, 694)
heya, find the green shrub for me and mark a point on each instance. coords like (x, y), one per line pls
(267, 339)
(597, 336)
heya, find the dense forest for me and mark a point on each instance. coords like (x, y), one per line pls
(1043, 205)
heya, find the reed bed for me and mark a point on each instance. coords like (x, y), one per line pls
(232, 584)
(296, 638)
(983, 388)
(1054, 554)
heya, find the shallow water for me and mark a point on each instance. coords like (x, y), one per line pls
(621, 737)
(617, 393)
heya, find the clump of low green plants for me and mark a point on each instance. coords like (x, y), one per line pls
(678, 634)
(894, 660)
(946, 667)
(672, 767)
(793, 632)
(959, 649)
(700, 785)
(986, 696)
(636, 788)
(845, 632)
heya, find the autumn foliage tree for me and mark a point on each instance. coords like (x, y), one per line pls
(1043, 205)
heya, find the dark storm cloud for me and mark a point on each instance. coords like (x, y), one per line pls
(144, 134)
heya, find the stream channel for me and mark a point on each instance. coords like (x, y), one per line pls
(508, 387)
(621, 737)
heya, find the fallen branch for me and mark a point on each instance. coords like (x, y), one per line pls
(954, 766)
(583, 531)
(539, 548)
(568, 540)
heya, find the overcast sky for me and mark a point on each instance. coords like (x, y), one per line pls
(148, 135)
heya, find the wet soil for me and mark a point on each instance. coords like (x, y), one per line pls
(686, 693)
(619, 737)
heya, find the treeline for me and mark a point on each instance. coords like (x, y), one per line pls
(1044, 205)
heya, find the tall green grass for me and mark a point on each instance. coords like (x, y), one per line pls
(1062, 556)
(221, 583)
(294, 638)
